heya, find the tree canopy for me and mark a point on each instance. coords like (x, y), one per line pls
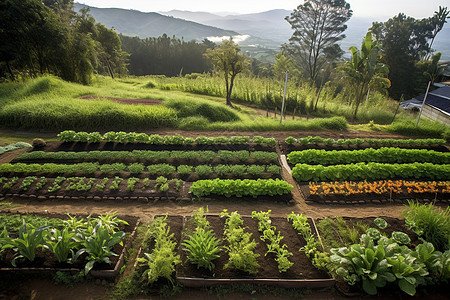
(227, 60)
(49, 37)
(404, 42)
(318, 27)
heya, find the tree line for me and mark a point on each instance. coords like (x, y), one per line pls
(166, 56)
(48, 37)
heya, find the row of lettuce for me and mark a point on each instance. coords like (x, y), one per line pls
(363, 255)
(369, 164)
(317, 140)
(156, 139)
(139, 168)
(224, 156)
(200, 188)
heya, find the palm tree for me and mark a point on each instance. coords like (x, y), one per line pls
(365, 70)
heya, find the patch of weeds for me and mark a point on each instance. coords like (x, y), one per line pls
(7, 204)
(67, 279)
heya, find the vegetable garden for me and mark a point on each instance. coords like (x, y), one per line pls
(363, 255)
(383, 174)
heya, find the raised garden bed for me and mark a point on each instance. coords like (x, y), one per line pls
(301, 274)
(46, 262)
(382, 192)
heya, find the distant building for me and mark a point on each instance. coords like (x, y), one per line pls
(437, 105)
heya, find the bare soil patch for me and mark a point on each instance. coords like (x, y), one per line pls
(126, 101)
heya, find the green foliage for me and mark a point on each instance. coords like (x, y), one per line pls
(312, 250)
(98, 243)
(162, 184)
(240, 188)
(370, 171)
(131, 182)
(429, 222)
(202, 248)
(376, 143)
(382, 155)
(62, 243)
(26, 244)
(240, 246)
(26, 182)
(273, 240)
(162, 260)
(381, 223)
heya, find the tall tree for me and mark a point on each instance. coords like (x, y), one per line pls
(318, 26)
(405, 41)
(227, 59)
(365, 69)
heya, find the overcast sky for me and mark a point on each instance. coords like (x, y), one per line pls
(361, 8)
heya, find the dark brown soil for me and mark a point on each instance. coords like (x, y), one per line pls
(302, 268)
(126, 101)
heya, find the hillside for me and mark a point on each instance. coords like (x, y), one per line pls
(136, 23)
(266, 30)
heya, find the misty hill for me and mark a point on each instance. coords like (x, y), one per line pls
(269, 25)
(136, 23)
(266, 30)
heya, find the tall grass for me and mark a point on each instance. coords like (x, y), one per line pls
(426, 128)
(59, 114)
(430, 223)
(267, 94)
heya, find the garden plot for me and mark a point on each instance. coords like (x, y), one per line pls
(245, 254)
(94, 166)
(381, 174)
(47, 243)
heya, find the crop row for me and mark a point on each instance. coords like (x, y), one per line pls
(372, 257)
(272, 239)
(370, 171)
(382, 155)
(95, 237)
(204, 156)
(137, 168)
(88, 184)
(155, 139)
(378, 187)
(240, 188)
(359, 141)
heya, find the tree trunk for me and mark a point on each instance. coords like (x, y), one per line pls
(10, 70)
(108, 65)
(229, 91)
(359, 94)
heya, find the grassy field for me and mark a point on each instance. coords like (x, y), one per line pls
(193, 102)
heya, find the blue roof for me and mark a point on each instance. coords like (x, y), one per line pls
(443, 91)
(439, 99)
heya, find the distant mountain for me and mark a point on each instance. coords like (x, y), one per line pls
(136, 23)
(269, 25)
(266, 30)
